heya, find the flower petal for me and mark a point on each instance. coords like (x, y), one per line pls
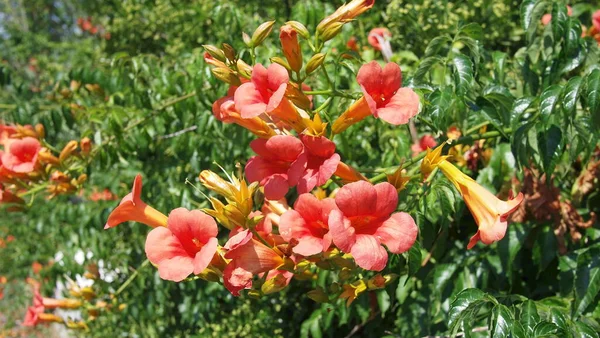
(398, 233)
(357, 198)
(368, 253)
(276, 187)
(401, 107)
(369, 77)
(308, 246)
(391, 78)
(291, 221)
(249, 101)
(205, 255)
(387, 199)
(342, 233)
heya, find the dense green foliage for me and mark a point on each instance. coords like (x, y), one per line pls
(487, 64)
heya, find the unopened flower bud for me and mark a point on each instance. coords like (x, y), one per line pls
(81, 179)
(214, 182)
(40, 131)
(86, 145)
(67, 150)
(210, 274)
(74, 85)
(256, 294)
(280, 61)
(244, 69)
(331, 31)
(229, 52)
(215, 52)
(300, 28)
(315, 62)
(88, 293)
(247, 40)
(291, 47)
(345, 274)
(261, 33)
(274, 284)
(226, 75)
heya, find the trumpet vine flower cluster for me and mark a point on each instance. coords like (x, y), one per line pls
(27, 162)
(276, 222)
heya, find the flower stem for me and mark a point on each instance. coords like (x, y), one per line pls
(462, 140)
(131, 278)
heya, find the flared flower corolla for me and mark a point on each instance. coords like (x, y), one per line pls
(308, 224)
(132, 208)
(21, 155)
(278, 165)
(490, 213)
(383, 97)
(321, 162)
(187, 245)
(248, 257)
(264, 93)
(366, 220)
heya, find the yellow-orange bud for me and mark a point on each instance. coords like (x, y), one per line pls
(315, 62)
(86, 145)
(261, 33)
(67, 150)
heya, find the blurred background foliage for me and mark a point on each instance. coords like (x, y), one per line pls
(137, 85)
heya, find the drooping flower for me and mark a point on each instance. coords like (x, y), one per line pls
(307, 223)
(264, 93)
(490, 213)
(322, 162)
(366, 220)
(427, 141)
(278, 165)
(248, 257)
(132, 208)
(35, 313)
(21, 155)
(383, 97)
(376, 35)
(187, 245)
(291, 47)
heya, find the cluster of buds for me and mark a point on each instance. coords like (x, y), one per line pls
(273, 236)
(86, 25)
(26, 162)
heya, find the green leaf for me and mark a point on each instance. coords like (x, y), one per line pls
(518, 331)
(436, 44)
(570, 94)
(383, 300)
(424, 67)
(464, 72)
(464, 306)
(544, 248)
(499, 65)
(592, 95)
(583, 330)
(559, 20)
(559, 319)
(509, 247)
(503, 321)
(472, 30)
(529, 316)
(545, 329)
(549, 98)
(587, 279)
(415, 258)
(531, 14)
(527, 8)
(549, 145)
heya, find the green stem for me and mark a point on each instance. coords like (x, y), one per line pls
(462, 140)
(319, 92)
(131, 278)
(476, 127)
